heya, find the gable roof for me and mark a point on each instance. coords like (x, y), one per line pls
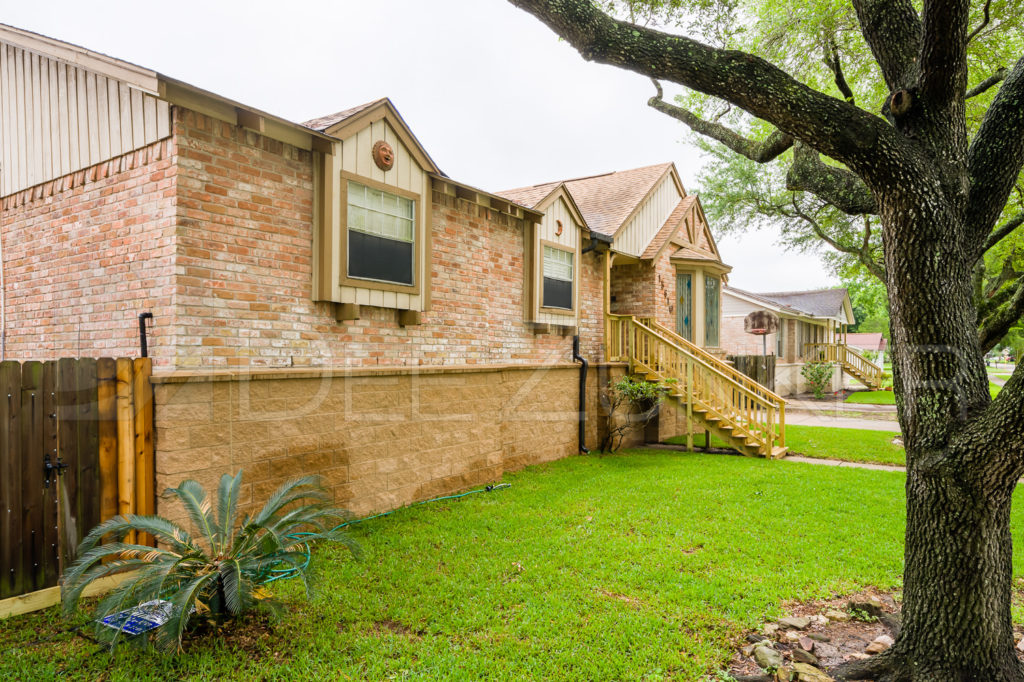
(606, 201)
(343, 123)
(670, 228)
(324, 122)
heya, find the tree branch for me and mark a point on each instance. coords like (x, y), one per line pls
(831, 60)
(1002, 232)
(984, 22)
(863, 253)
(892, 30)
(761, 152)
(943, 62)
(836, 128)
(837, 186)
(995, 325)
(995, 156)
(986, 84)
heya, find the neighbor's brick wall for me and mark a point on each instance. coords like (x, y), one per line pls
(86, 253)
(245, 269)
(380, 441)
(735, 341)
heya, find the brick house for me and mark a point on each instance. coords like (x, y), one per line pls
(324, 298)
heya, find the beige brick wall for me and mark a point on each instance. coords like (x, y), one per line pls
(380, 440)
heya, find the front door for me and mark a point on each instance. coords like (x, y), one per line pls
(684, 305)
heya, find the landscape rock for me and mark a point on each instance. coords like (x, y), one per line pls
(819, 637)
(837, 615)
(880, 644)
(1020, 645)
(791, 636)
(795, 622)
(857, 656)
(807, 644)
(871, 606)
(819, 620)
(754, 638)
(783, 674)
(808, 673)
(770, 629)
(767, 658)
(748, 650)
(801, 656)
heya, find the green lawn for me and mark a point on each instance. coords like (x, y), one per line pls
(872, 398)
(640, 566)
(849, 445)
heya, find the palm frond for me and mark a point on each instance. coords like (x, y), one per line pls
(227, 505)
(293, 490)
(197, 504)
(183, 602)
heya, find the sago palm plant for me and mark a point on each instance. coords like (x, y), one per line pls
(219, 574)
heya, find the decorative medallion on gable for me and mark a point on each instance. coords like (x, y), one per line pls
(383, 155)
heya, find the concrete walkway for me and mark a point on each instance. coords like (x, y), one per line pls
(801, 418)
(845, 465)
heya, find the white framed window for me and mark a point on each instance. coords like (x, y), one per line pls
(558, 269)
(381, 235)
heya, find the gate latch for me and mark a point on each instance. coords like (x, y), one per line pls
(49, 467)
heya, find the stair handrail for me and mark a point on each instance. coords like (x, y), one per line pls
(844, 354)
(712, 360)
(775, 409)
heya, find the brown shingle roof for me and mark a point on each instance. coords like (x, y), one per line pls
(607, 200)
(604, 200)
(324, 122)
(671, 226)
(691, 253)
(529, 196)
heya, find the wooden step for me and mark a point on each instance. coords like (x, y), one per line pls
(779, 451)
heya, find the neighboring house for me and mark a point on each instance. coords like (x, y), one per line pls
(812, 327)
(869, 341)
(325, 299)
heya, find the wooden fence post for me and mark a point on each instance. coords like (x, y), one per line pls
(11, 573)
(145, 478)
(125, 442)
(106, 398)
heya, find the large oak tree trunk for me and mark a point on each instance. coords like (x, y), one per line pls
(957, 580)
(958, 558)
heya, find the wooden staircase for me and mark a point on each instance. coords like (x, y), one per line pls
(852, 362)
(727, 403)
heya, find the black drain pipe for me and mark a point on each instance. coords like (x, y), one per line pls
(143, 345)
(583, 392)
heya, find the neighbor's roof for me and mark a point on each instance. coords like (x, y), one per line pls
(818, 302)
(605, 201)
(866, 340)
(762, 299)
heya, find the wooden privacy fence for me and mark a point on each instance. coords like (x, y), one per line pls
(76, 448)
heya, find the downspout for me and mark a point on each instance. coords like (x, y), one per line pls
(583, 393)
(143, 344)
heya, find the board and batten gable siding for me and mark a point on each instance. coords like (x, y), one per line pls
(547, 231)
(353, 158)
(58, 118)
(634, 237)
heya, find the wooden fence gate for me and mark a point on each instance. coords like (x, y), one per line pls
(76, 448)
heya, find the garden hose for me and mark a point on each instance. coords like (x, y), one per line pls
(275, 574)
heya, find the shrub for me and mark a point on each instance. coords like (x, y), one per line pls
(629, 403)
(220, 576)
(819, 376)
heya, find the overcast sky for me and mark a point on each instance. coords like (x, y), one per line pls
(494, 96)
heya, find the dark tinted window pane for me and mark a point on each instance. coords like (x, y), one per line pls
(557, 293)
(373, 257)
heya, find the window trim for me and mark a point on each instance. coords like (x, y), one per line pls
(539, 279)
(419, 237)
